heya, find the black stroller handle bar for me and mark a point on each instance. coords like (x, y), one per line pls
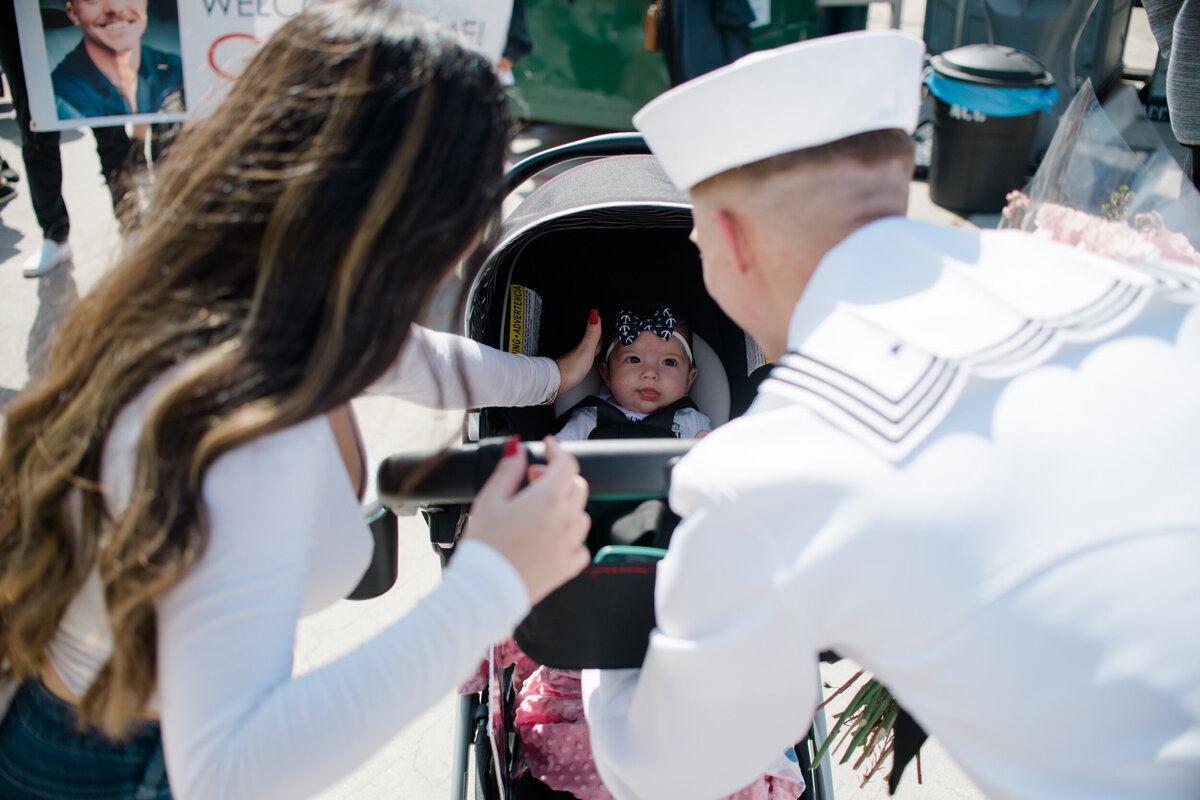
(606, 144)
(615, 469)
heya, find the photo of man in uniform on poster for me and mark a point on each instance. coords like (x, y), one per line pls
(113, 57)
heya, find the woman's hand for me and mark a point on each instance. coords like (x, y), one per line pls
(575, 365)
(541, 528)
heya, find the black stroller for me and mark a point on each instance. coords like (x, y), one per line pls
(584, 239)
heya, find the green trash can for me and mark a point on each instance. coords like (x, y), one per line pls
(589, 65)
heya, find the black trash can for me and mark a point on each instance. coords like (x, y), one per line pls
(986, 103)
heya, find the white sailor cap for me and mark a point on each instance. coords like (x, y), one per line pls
(792, 97)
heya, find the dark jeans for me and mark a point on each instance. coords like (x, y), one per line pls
(39, 151)
(44, 755)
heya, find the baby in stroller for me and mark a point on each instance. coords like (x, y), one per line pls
(648, 367)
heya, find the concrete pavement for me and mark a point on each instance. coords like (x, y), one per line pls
(417, 762)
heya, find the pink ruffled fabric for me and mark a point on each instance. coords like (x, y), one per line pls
(554, 734)
(507, 654)
(555, 739)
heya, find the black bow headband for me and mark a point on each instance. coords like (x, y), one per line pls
(661, 323)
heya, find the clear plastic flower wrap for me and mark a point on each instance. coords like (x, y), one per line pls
(1094, 190)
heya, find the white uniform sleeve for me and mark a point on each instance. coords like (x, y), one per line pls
(235, 723)
(443, 370)
(725, 687)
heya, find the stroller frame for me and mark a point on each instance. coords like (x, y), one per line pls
(627, 201)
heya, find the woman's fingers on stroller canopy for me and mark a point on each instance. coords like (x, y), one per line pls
(575, 365)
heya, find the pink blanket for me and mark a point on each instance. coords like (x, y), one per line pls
(555, 740)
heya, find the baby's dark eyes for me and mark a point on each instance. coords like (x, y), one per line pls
(666, 362)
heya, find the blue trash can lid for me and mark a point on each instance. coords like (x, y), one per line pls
(992, 65)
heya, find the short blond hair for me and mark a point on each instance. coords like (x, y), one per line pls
(872, 147)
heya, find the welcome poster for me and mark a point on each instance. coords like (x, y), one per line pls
(80, 56)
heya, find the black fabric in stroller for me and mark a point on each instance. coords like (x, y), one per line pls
(595, 236)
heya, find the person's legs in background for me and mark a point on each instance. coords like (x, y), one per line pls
(841, 19)
(39, 151)
(8, 176)
(43, 160)
(128, 162)
(118, 160)
(43, 168)
(162, 134)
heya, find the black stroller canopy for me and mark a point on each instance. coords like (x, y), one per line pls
(605, 234)
(637, 181)
(590, 225)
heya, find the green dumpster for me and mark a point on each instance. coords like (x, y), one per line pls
(789, 21)
(589, 65)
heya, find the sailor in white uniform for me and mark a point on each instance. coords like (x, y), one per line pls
(975, 469)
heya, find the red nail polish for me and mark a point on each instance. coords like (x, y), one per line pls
(594, 317)
(510, 447)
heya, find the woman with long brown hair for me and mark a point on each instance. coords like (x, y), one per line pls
(173, 490)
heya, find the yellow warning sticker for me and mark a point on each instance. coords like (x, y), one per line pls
(516, 319)
(524, 320)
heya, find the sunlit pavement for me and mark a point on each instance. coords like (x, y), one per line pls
(417, 762)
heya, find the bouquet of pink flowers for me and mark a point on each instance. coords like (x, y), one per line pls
(1145, 237)
(1094, 191)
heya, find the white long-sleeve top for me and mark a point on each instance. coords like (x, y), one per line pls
(975, 473)
(287, 538)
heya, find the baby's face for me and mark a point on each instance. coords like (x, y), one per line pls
(648, 374)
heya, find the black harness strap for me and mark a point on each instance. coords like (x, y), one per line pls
(611, 422)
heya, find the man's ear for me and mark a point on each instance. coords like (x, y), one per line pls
(735, 237)
(71, 15)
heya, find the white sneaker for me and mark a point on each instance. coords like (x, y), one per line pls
(46, 259)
